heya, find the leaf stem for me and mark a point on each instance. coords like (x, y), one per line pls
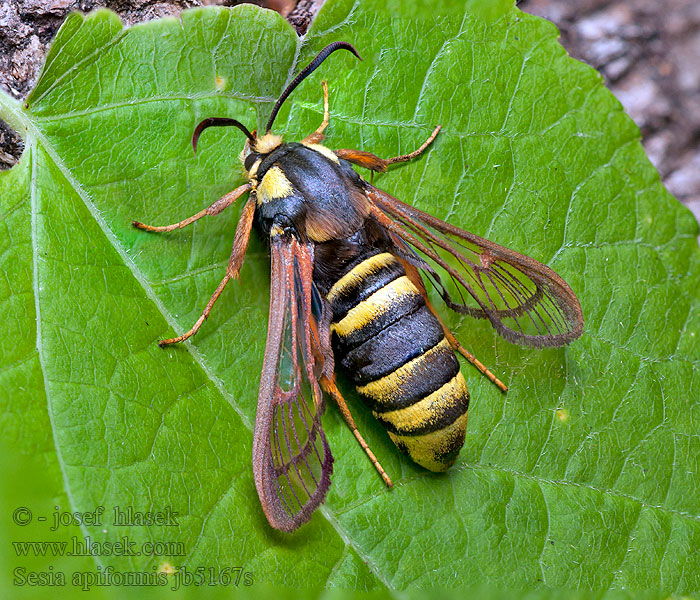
(12, 113)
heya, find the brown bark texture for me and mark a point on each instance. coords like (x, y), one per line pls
(648, 51)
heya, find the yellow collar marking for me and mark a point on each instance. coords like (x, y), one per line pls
(274, 185)
(267, 143)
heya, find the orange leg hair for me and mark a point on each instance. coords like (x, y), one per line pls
(374, 163)
(331, 388)
(218, 206)
(240, 244)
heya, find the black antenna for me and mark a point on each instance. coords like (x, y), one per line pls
(310, 68)
(218, 122)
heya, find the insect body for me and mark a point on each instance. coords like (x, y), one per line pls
(386, 338)
(346, 264)
(395, 350)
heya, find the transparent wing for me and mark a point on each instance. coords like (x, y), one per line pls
(292, 461)
(526, 302)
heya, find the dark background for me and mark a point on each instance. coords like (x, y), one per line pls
(647, 50)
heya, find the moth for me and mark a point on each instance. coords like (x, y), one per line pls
(348, 263)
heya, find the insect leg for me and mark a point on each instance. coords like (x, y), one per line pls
(240, 241)
(240, 244)
(415, 153)
(454, 342)
(317, 136)
(363, 159)
(214, 209)
(329, 386)
(372, 162)
(417, 280)
(203, 316)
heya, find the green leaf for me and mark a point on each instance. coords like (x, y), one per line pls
(585, 475)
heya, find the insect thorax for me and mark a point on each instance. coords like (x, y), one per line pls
(307, 185)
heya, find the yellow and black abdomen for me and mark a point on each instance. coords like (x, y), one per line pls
(394, 349)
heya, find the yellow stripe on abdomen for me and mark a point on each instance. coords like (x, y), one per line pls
(388, 389)
(436, 451)
(431, 428)
(357, 275)
(378, 304)
(394, 349)
(426, 414)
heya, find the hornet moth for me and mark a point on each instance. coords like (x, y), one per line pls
(347, 267)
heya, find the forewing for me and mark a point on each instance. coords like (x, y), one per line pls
(292, 462)
(526, 301)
